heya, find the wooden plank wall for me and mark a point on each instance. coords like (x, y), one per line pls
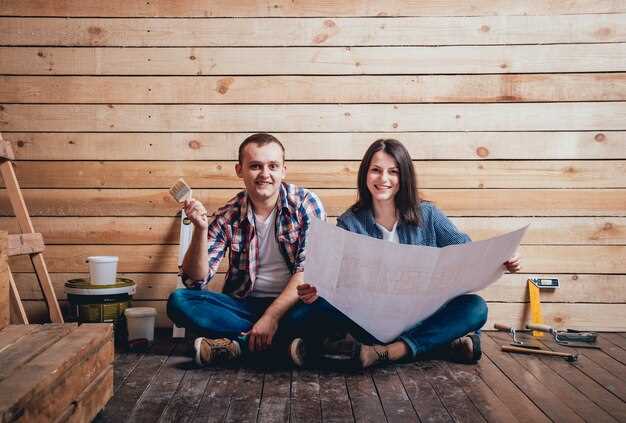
(515, 113)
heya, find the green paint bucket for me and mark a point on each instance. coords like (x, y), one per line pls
(92, 303)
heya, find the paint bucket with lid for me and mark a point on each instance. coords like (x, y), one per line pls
(140, 322)
(93, 303)
(102, 269)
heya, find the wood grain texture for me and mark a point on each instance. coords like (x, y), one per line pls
(283, 8)
(328, 146)
(405, 117)
(558, 58)
(315, 174)
(310, 32)
(314, 89)
(5, 316)
(454, 202)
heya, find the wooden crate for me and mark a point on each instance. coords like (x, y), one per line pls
(55, 372)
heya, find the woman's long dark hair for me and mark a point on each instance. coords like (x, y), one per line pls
(407, 198)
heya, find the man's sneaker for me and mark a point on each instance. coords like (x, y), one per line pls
(213, 351)
(297, 352)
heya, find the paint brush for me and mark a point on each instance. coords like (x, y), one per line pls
(180, 191)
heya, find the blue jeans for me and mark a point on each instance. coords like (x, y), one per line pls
(217, 315)
(456, 318)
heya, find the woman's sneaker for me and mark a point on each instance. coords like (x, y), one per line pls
(215, 351)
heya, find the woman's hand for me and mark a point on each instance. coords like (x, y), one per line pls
(307, 293)
(513, 264)
(196, 212)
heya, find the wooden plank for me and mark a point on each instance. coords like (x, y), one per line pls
(549, 402)
(244, 404)
(285, 8)
(423, 396)
(24, 244)
(589, 387)
(305, 397)
(552, 381)
(14, 333)
(394, 398)
(13, 357)
(276, 400)
(91, 345)
(91, 400)
(186, 400)
(314, 89)
(5, 287)
(17, 310)
(280, 32)
(331, 146)
(612, 349)
(604, 259)
(553, 58)
(165, 230)
(515, 399)
(315, 174)
(615, 339)
(334, 397)
(612, 383)
(153, 401)
(125, 364)
(216, 400)
(126, 397)
(450, 393)
(365, 403)
(296, 117)
(486, 400)
(454, 202)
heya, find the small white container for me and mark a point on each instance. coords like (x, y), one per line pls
(102, 269)
(140, 322)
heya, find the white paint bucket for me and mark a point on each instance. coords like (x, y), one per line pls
(140, 323)
(102, 269)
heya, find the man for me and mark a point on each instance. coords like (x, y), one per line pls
(264, 228)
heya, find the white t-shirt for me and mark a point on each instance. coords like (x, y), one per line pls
(273, 273)
(391, 235)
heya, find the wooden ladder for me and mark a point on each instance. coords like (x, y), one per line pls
(28, 242)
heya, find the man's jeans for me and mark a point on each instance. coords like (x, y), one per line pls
(456, 318)
(217, 315)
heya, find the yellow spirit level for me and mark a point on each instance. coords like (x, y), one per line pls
(534, 285)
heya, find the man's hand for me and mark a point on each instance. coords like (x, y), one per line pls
(196, 212)
(513, 264)
(261, 335)
(307, 293)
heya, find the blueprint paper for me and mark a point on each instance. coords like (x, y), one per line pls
(388, 288)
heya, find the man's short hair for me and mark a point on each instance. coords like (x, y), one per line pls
(260, 140)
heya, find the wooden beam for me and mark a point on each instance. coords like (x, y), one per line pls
(17, 310)
(314, 89)
(454, 202)
(285, 8)
(315, 118)
(280, 32)
(536, 145)
(5, 287)
(23, 244)
(553, 58)
(315, 174)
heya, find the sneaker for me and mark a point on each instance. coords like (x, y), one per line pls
(213, 351)
(297, 352)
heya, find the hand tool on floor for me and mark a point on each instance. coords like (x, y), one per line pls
(528, 343)
(571, 357)
(569, 338)
(534, 285)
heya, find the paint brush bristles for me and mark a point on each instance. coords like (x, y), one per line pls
(180, 191)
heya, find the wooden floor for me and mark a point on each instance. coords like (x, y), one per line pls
(163, 385)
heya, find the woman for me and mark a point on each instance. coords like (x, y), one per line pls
(389, 208)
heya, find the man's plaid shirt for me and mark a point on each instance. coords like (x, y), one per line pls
(233, 228)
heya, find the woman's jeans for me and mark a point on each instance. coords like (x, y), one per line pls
(456, 318)
(217, 315)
